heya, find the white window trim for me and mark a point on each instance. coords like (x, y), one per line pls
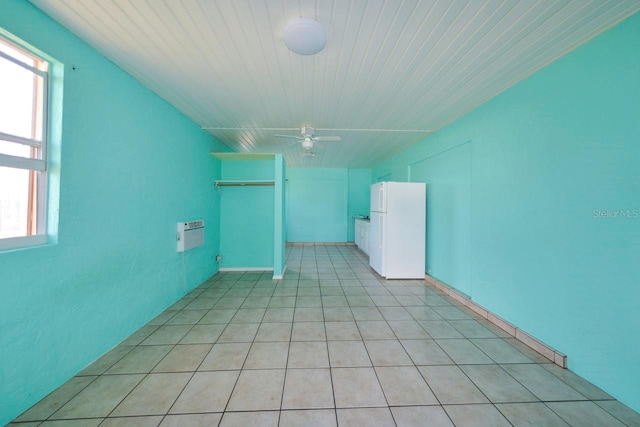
(34, 70)
(20, 140)
(43, 227)
(22, 163)
(9, 243)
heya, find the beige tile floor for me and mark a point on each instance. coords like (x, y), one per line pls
(331, 344)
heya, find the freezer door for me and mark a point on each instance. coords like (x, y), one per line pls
(377, 234)
(379, 197)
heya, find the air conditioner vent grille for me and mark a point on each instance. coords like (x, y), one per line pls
(193, 224)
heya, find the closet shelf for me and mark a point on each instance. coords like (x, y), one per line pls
(244, 183)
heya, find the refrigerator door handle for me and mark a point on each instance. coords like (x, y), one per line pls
(380, 229)
(380, 196)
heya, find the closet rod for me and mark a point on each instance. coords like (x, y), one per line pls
(248, 184)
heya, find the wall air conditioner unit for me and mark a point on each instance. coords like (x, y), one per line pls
(190, 235)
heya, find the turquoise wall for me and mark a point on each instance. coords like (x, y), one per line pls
(247, 170)
(321, 202)
(549, 161)
(247, 216)
(359, 195)
(448, 232)
(127, 158)
(317, 205)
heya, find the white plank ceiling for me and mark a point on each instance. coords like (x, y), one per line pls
(392, 70)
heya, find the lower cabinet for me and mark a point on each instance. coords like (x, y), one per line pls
(362, 235)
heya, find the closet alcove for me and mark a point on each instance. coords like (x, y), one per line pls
(250, 190)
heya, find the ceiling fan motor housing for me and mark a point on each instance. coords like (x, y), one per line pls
(306, 131)
(307, 143)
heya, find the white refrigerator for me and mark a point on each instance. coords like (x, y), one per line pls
(397, 232)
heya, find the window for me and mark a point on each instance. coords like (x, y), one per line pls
(24, 95)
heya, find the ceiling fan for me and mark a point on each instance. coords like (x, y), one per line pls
(308, 139)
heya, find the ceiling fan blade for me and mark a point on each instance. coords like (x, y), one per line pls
(327, 138)
(289, 136)
(293, 143)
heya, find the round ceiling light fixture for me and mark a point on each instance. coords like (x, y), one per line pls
(305, 36)
(307, 143)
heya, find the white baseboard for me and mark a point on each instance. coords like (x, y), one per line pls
(280, 276)
(545, 350)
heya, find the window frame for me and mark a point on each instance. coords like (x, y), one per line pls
(44, 225)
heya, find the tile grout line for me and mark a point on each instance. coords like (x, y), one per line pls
(355, 277)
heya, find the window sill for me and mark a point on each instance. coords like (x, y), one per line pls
(26, 242)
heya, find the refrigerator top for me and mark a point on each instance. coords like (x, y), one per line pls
(382, 191)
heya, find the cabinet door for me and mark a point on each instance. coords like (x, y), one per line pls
(365, 239)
